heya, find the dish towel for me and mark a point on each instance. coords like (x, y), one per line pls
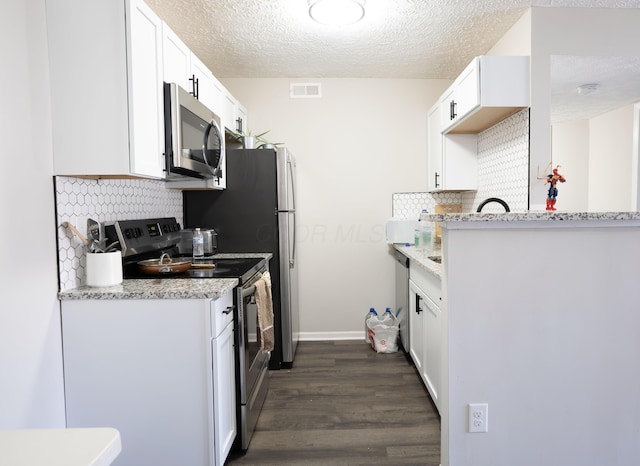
(264, 302)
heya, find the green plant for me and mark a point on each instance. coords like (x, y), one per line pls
(259, 137)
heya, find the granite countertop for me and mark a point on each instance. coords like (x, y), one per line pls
(535, 216)
(163, 288)
(421, 256)
(155, 288)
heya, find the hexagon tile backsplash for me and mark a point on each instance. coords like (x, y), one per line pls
(78, 199)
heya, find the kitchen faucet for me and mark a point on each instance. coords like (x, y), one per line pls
(493, 199)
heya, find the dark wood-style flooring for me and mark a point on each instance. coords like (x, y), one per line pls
(344, 404)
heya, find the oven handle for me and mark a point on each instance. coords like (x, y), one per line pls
(248, 291)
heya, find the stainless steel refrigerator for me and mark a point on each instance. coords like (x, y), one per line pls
(256, 213)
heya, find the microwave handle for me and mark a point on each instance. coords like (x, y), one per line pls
(214, 171)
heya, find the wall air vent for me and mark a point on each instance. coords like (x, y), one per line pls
(305, 90)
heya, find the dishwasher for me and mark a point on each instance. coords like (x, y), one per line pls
(402, 297)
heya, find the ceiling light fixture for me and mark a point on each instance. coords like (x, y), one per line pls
(336, 12)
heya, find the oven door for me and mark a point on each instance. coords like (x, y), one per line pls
(254, 359)
(253, 370)
(194, 142)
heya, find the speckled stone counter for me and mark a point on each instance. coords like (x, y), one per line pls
(155, 288)
(421, 256)
(163, 288)
(548, 218)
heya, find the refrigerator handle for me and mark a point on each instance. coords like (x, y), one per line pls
(292, 261)
(293, 185)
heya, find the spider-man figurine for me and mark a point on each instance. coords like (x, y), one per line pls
(552, 194)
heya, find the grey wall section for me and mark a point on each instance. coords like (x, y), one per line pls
(31, 388)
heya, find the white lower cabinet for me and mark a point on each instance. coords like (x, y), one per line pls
(425, 327)
(161, 371)
(416, 333)
(224, 394)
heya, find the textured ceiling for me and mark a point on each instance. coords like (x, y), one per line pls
(617, 80)
(432, 39)
(396, 39)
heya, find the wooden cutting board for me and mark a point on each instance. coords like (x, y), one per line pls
(445, 209)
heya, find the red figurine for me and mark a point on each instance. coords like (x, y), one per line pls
(552, 194)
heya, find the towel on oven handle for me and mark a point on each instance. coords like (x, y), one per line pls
(264, 302)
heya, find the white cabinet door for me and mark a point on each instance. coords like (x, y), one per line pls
(143, 366)
(434, 150)
(467, 98)
(452, 159)
(184, 68)
(224, 394)
(229, 113)
(203, 82)
(488, 90)
(459, 162)
(241, 118)
(146, 101)
(416, 335)
(426, 329)
(176, 59)
(432, 330)
(106, 88)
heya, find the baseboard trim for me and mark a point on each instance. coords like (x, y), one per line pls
(330, 336)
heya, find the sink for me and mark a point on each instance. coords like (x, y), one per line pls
(437, 259)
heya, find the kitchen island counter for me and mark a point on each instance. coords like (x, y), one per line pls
(547, 218)
(540, 305)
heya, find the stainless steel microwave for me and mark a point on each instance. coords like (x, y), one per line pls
(194, 142)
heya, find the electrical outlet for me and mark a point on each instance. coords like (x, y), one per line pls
(478, 417)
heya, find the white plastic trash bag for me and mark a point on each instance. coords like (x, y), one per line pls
(382, 331)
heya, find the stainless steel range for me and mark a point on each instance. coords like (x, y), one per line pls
(150, 238)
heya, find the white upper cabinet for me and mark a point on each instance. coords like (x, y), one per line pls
(234, 116)
(452, 159)
(488, 90)
(183, 67)
(176, 59)
(106, 88)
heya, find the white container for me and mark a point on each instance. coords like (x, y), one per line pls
(400, 230)
(104, 269)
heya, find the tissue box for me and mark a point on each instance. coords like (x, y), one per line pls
(400, 230)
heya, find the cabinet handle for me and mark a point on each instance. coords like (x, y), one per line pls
(228, 310)
(437, 185)
(239, 125)
(452, 110)
(194, 86)
(418, 306)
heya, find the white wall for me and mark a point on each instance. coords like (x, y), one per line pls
(517, 40)
(569, 31)
(31, 391)
(362, 141)
(596, 159)
(570, 148)
(610, 157)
